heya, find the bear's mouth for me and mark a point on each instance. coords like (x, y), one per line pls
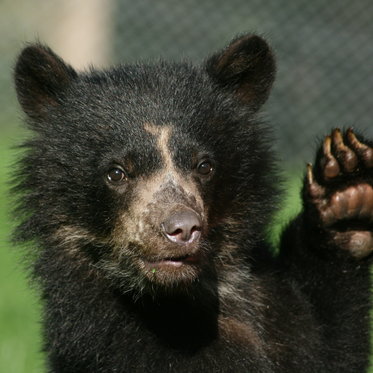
(173, 261)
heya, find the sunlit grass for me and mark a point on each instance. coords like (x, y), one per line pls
(20, 340)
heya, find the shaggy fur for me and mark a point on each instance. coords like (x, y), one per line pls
(119, 156)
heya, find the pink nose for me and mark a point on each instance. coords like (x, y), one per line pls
(182, 226)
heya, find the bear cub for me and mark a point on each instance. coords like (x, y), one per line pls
(147, 190)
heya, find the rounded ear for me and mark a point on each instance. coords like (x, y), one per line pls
(246, 67)
(40, 77)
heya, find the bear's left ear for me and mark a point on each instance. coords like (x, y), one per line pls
(246, 67)
(41, 77)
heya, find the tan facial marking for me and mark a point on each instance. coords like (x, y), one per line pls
(70, 238)
(168, 172)
(162, 135)
(154, 197)
(68, 234)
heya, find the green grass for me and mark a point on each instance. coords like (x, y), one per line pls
(19, 312)
(20, 334)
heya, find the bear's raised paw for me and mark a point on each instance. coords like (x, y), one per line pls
(340, 188)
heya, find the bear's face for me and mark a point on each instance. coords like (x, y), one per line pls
(161, 219)
(145, 170)
(139, 177)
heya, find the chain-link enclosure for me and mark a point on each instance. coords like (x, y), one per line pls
(324, 50)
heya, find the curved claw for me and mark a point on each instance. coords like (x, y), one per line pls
(346, 157)
(329, 164)
(364, 151)
(309, 173)
(315, 190)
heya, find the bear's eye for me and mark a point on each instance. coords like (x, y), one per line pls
(116, 175)
(205, 168)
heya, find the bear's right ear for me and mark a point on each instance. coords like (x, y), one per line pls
(246, 68)
(40, 77)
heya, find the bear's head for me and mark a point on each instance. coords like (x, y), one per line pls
(156, 175)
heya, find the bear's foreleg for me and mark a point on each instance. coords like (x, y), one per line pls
(327, 248)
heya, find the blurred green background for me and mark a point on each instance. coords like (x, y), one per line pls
(324, 80)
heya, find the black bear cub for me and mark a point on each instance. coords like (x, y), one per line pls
(147, 191)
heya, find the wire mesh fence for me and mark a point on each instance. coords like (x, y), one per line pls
(324, 51)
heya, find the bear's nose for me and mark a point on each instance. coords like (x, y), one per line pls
(182, 226)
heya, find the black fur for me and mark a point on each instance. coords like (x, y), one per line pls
(238, 309)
